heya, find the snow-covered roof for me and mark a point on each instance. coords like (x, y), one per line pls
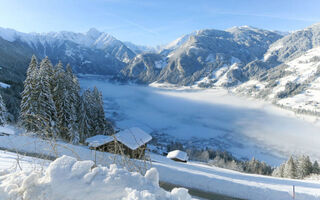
(98, 140)
(177, 154)
(133, 137)
(4, 85)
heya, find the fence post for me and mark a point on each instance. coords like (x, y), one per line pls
(293, 192)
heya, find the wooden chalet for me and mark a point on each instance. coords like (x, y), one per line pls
(131, 142)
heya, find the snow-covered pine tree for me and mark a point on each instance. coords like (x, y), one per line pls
(3, 112)
(89, 105)
(84, 126)
(290, 169)
(46, 111)
(100, 119)
(74, 103)
(61, 100)
(278, 172)
(315, 167)
(304, 166)
(29, 102)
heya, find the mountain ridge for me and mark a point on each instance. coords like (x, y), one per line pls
(239, 58)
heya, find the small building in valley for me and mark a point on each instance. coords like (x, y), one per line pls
(178, 155)
(131, 142)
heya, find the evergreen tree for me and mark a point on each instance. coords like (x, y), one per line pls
(89, 107)
(290, 169)
(84, 122)
(304, 166)
(61, 100)
(51, 104)
(29, 103)
(3, 112)
(46, 111)
(99, 119)
(279, 171)
(74, 104)
(315, 167)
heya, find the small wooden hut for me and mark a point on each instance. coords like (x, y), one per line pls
(131, 142)
(178, 155)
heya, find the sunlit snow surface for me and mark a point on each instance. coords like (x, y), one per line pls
(209, 118)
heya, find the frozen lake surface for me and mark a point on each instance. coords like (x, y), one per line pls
(210, 118)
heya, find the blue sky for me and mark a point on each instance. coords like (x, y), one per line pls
(151, 22)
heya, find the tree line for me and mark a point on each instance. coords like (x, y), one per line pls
(223, 159)
(3, 112)
(53, 106)
(297, 168)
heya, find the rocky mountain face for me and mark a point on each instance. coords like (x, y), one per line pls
(209, 57)
(91, 52)
(294, 45)
(293, 79)
(140, 49)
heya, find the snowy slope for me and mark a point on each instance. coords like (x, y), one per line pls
(67, 178)
(303, 73)
(12, 161)
(202, 177)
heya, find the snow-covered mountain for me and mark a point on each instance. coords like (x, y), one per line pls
(260, 63)
(140, 49)
(92, 52)
(294, 44)
(252, 61)
(289, 74)
(212, 55)
(295, 84)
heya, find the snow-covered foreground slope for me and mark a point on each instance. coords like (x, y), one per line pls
(12, 161)
(210, 118)
(191, 175)
(69, 179)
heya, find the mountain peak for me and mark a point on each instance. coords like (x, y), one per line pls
(242, 28)
(93, 32)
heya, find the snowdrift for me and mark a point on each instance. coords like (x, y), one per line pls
(69, 179)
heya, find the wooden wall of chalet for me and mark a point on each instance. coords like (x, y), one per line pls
(119, 148)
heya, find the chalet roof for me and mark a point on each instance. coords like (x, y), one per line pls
(132, 138)
(98, 140)
(177, 154)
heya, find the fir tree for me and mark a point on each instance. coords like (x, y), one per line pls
(99, 120)
(29, 103)
(61, 100)
(3, 112)
(315, 167)
(74, 104)
(304, 166)
(290, 169)
(51, 104)
(46, 111)
(89, 107)
(84, 126)
(279, 171)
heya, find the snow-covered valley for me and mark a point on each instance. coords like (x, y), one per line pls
(210, 118)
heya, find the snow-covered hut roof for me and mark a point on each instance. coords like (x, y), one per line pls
(98, 140)
(177, 154)
(133, 137)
